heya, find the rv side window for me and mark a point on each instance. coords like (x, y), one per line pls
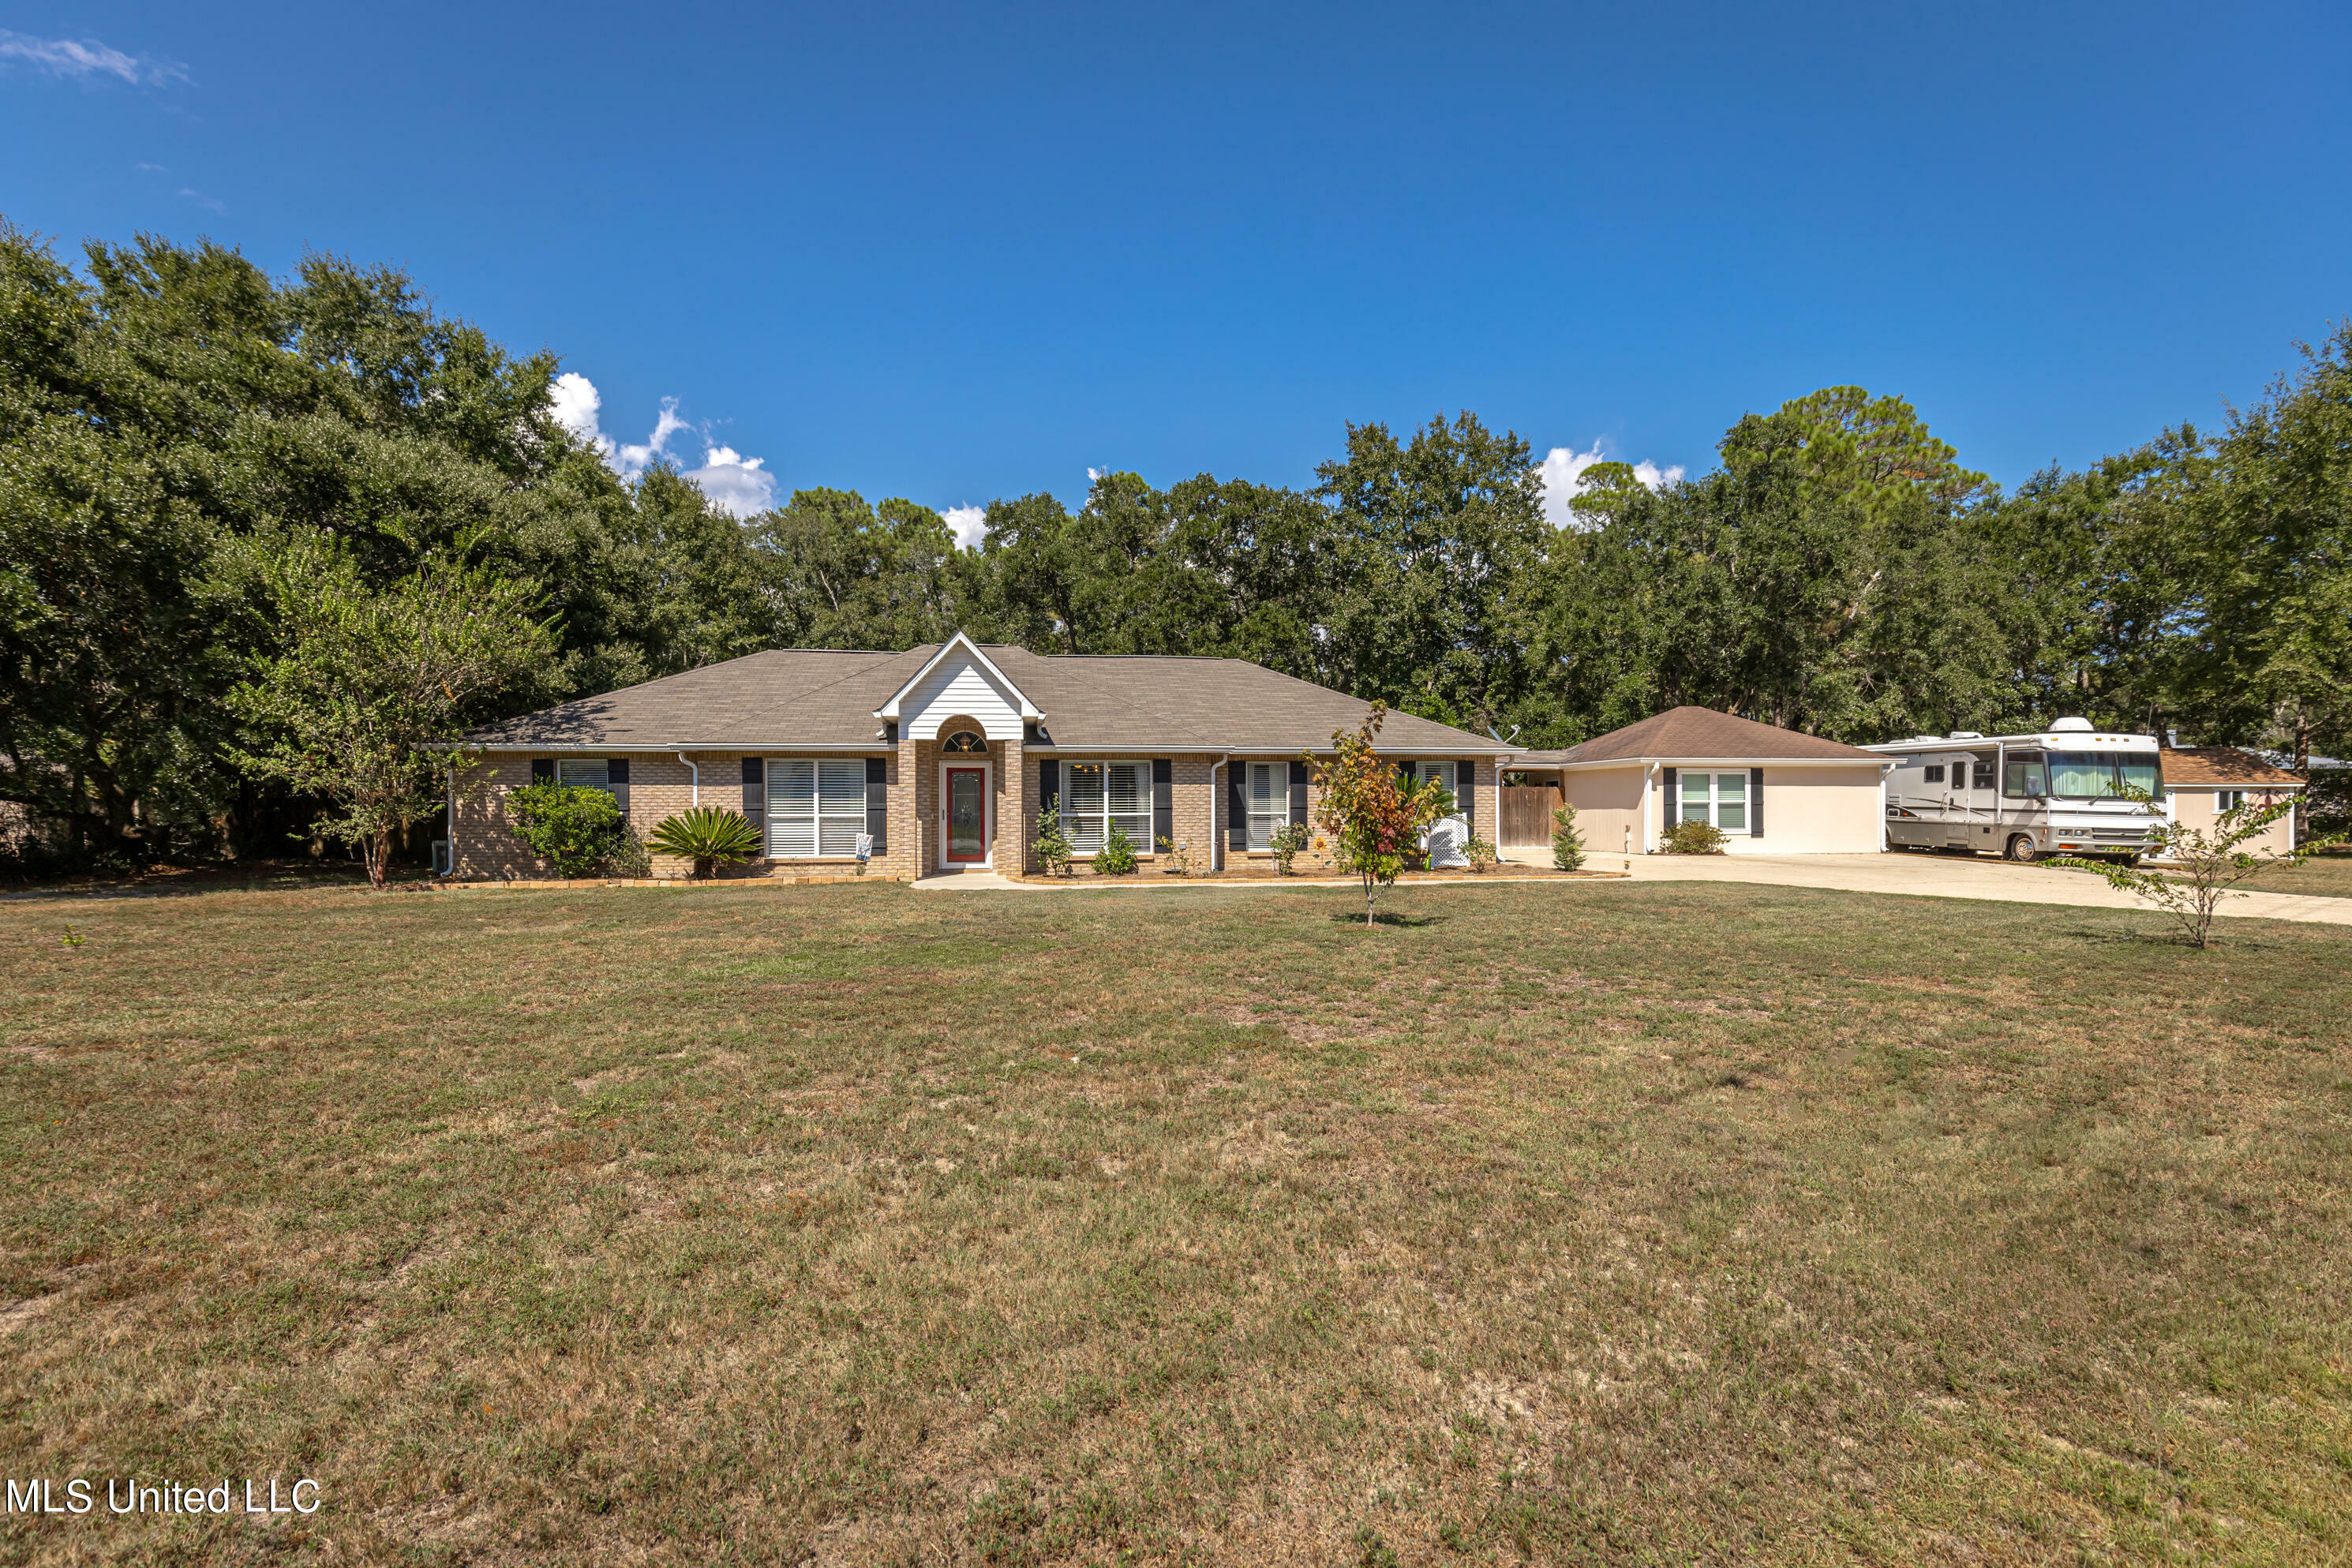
(2021, 781)
(1934, 773)
(1983, 776)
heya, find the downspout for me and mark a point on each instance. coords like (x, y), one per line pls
(1648, 774)
(1217, 839)
(450, 774)
(690, 767)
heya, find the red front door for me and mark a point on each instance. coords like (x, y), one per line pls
(967, 815)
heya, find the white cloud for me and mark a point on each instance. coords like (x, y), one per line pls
(970, 523)
(81, 59)
(214, 203)
(736, 483)
(1563, 478)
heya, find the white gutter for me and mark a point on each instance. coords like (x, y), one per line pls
(1648, 774)
(1217, 839)
(693, 769)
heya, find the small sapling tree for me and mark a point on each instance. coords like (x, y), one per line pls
(1567, 843)
(1373, 819)
(2206, 864)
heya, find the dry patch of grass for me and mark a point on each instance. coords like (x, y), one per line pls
(2327, 875)
(1659, 1222)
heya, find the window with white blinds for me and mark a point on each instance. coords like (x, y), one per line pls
(1095, 796)
(816, 806)
(1268, 794)
(583, 772)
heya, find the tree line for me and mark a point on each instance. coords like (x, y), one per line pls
(204, 469)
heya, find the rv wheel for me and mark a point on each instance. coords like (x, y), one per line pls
(2021, 849)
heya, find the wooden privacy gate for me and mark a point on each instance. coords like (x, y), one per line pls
(1526, 814)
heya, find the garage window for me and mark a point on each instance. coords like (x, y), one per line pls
(1718, 797)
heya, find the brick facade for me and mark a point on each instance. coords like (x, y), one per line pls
(661, 785)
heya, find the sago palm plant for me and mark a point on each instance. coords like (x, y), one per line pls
(710, 836)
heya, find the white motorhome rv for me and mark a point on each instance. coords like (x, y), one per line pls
(2061, 792)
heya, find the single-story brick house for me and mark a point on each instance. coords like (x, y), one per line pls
(2200, 782)
(944, 755)
(1770, 790)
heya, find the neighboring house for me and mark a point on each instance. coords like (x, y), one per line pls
(1771, 790)
(944, 756)
(2200, 782)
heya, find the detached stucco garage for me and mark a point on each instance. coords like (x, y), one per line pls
(1772, 791)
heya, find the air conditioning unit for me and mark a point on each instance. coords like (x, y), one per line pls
(445, 858)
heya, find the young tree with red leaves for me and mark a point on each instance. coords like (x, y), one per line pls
(1373, 819)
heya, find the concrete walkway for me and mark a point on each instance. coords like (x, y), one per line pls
(1944, 876)
(1917, 875)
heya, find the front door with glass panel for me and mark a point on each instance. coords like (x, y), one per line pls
(967, 812)
(1447, 835)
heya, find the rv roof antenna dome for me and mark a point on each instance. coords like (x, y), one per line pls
(1966, 735)
(2071, 727)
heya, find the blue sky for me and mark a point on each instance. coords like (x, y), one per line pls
(956, 253)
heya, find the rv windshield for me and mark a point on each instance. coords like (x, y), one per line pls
(2101, 776)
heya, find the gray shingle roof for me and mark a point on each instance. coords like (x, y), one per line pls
(811, 696)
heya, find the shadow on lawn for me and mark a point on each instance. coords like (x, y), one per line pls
(1386, 917)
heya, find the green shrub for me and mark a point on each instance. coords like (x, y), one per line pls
(1052, 846)
(1481, 854)
(631, 859)
(571, 827)
(710, 836)
(1694, 839)
(1117, 857)
(1567, 843)
(1179, 859)
(1285, 844)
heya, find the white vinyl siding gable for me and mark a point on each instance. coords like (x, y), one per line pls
(961, 687)
(816, 807)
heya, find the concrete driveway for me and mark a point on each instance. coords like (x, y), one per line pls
(1922, 876)
(1941, 876)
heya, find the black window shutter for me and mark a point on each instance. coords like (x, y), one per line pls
(1163, 800)
(1236, 809)
(1299, 794)
(1049, 784)
(617, 774)
(542, 769)
(1756, 803)
(1465, 791)
(755, 789)
(1673, 807)
(877, 802)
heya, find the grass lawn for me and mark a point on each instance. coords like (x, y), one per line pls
(2327, 875)
(1619, 1223)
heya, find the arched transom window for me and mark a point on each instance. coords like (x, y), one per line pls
(964, 740)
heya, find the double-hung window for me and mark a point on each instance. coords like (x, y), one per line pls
(1718, 797)
(1268, 795)
(585, 772)
(1100, 796)
(816, 807)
